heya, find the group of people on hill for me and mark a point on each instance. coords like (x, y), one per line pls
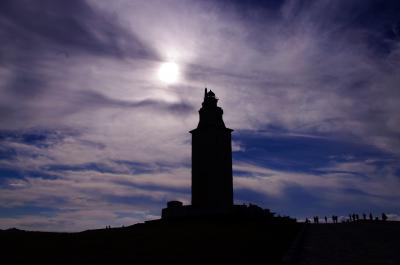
(316, 219)
(352, 218)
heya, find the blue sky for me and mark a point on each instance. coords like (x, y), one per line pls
(90, 136)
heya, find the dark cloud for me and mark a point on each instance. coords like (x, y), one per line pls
(63, 28)
(94, 99)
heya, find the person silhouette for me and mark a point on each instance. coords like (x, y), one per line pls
(326, 220)
(364, 216)
(334, 219)
(316, 220)
(384, 217)
(371, 217)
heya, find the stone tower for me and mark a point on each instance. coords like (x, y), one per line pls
(212, 185)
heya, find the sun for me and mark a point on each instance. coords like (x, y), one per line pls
(168, 72)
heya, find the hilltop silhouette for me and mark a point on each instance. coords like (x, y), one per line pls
(179, 242)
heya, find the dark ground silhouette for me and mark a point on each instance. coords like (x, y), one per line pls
(210, 242)
(366, 243)
(180, 242)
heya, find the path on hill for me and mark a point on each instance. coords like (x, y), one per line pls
(345, 244)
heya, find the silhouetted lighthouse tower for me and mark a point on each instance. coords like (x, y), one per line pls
(212, 187)
(211, 158)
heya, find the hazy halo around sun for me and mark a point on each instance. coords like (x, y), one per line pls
(168, 72)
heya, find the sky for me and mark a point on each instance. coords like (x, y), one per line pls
(91, 136)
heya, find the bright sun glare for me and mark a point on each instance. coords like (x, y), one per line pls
(168, 72)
